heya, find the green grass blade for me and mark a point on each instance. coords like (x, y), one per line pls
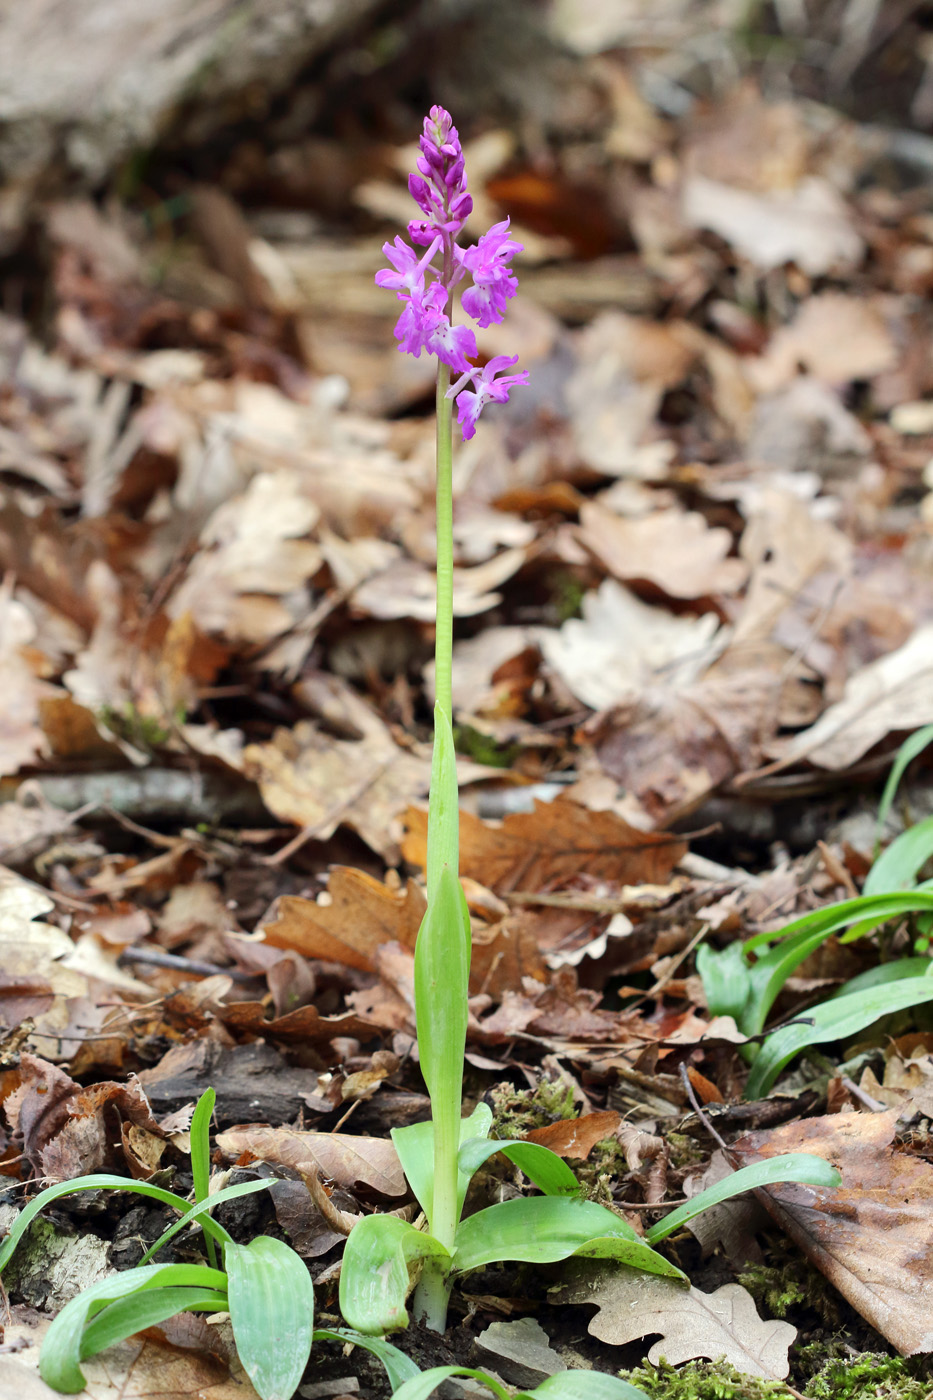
(543, 1229)
(426, 1382)
(61, 1348)
(792, 1166)
(583, 1385)
(805, 935)
(549, 1172)
(271, 1300)
(897, 971)
(898, 865)
(199, 1135)
(98, 1182)
(833, 1020)
(374, 1272)
(911, 748)
(398, 1367)
(200, 1208)
(147, 1309)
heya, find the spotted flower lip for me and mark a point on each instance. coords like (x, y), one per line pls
(439, 188)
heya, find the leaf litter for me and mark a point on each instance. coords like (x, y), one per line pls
(693, 603)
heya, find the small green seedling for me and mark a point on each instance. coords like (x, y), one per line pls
(743, 980)
(440, 1157)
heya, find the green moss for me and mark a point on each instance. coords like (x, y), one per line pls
(872, 1376)
(791, 1283)
(144, 732)
(703, 1380)
(516, 1112)
(684, 1150)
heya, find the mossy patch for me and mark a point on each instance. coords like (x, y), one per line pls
(703, 1380)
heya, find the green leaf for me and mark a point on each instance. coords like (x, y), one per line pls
(422, 1385)
(897, 866)
(228, 1193)
(272, 1313)
(442, 972)
(399, 1367)
(897, 971)
(542, 1229)
(801, 938)
(724, 973)
(912, 746)
(415, 1147)
(582, 1385)
(62, 1350)
(98, 1182)
(792, 1166)
(147, 1309)
(542, 1166)
(199, 1135)
(374, 1272)
(835, 1019)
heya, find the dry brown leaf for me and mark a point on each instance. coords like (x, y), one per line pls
(251, 554)
(22, 740)
(339, 1157)
(349, 923)
(785, 545)
(141, 1368)
(810, 225)
(893, 693)
(835, 337)
(621, 646)
(692, 1324)
(576, 1137)
(308, 777)
(675, 550)
(295, 1027)
(873, 1235)
(554, 844)
(68, 1131)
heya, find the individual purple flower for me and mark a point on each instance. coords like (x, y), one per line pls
(425, 325)
(493, 281)
(408, 277)
(486, 388)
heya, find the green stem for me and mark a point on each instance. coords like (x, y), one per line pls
(443, 646)
(443, 841)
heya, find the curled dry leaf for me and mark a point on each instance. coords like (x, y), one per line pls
(890, 694)
(339, 1157)
(692, 1324)
(576, 1137)
(873, 1235)
(553, 845)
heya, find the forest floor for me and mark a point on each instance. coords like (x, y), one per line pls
(694, 625)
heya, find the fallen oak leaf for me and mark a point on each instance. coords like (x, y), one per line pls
(674, 550)
(871, 1236)
(724, 1324)
(356, 916)
(555, 843)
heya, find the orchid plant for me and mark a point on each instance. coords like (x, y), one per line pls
(440, 1156)
(265, 1286)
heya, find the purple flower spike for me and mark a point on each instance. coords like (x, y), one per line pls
(439, 189)
(486, 388)
(493, 281)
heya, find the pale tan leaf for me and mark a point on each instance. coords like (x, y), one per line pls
(338, 1157)
(676, 550)
(692, 1324)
